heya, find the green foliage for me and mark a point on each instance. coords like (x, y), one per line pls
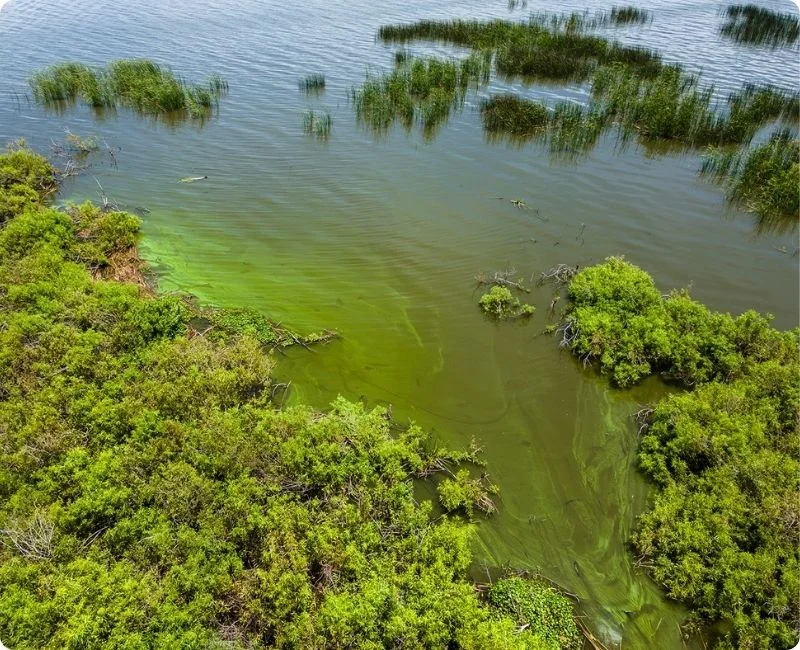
(763, 180)
(722, 532)
(139, 84)
(501, 303)
(422, 91)
(619, 318)
(534, 603)
(26, 178)
(462, 492)
(756, 25)
(150, 496)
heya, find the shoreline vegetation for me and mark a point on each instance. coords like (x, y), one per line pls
(154, 492)
(721, 530)
(139, 84)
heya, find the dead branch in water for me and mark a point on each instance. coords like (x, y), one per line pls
(591, 638)
(642, 417)
(568, 334)
(501, 278)
(558, 275)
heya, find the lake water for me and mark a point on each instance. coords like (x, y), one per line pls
(380, 239)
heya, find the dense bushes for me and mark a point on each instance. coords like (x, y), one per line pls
(620, 319)
(151, 497)
(722, 531)
(25, 179)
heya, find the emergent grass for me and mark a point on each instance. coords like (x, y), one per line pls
(763, 180)
(140, 84)
(422, 91)
(755, 25)
(539, 48)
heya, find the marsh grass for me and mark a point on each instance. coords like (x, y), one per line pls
(513, 115)
(544, 47)
(675, 106)
(629, 15)
(421, 91)
(755, 25)
(318, 124)
(764, 180)
(313, 83)
(139, 84)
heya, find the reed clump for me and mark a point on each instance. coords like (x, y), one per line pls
(318, 123)
(542, 47)
(418, 90)
(139, 84)
(764, 180)
(629, 15)
(675, 106)
(313, 83)
(754, 25)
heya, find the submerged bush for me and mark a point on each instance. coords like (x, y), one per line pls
(313, 82)
(538, 606)
(318, 124)
(501, 303)
(756, 25)
(151, 496)
(464, 493)
(629, 14)
(139, 84)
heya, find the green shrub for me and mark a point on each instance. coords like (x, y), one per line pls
(501, 303)
(462, 492)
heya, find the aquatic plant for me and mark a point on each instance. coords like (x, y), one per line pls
(763, 180)
(555, 50)
(721, 533)
(423, 91)
(756, 25)
(139, 84)
(673, 105)
(501, 303)
(628, 15)
(536, 605)
(152, 495)
(318, 124)
(313, 83)
(513, 115)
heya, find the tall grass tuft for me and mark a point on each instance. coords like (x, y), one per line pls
(628, 15)
(313, 83)
(318, 124)
(764, 179)
(756, 25)
(139, 84)
(422, 91)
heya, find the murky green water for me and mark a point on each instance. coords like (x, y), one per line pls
(381, 240)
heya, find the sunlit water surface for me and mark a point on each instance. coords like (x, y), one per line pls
(380, 239)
